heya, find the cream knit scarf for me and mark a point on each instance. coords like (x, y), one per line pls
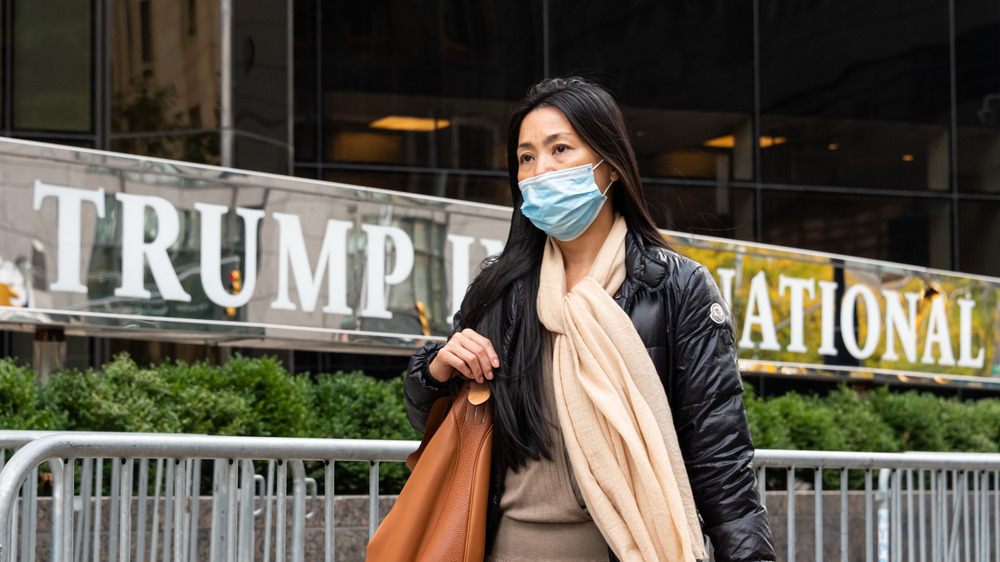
(614, 414)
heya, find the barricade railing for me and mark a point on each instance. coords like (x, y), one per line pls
(928, 506)
(13, 440)
(236, 489)
(938, 507)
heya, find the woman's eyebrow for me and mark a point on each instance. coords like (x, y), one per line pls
(548, 140)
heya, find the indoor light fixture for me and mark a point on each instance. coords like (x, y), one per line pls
(729, 141)
(402, 123)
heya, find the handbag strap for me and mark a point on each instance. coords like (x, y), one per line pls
(476, 393)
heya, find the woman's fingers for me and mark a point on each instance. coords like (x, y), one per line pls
(483, 354)
(470, 354)
(470, 364)
(492, 360)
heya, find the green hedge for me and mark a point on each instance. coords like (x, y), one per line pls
(243, 397)
(878, 420)
(258, 397)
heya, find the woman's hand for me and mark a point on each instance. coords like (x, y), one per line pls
(468, 354)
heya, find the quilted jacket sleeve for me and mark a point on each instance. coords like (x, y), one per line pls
(420, 389)
(712, 425)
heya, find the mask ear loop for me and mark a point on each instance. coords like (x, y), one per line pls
(609, 184)
(603, 193)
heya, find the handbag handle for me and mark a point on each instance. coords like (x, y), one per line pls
(476, 393)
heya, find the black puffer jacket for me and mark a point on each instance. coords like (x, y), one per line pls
(681, 317)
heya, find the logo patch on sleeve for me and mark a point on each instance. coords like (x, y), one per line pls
(717, 313)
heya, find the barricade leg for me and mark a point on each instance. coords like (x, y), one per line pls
(83, 526)
(168, 510)
(195, 500)
(220, 483)
(232, 544)
(140, 522)
(843, 515)
(246, 531)
(125, 508)
(180, 511)
(268, 509)
(280, 507)
(155, 526)
(329, 506)
(818, 513)
(373, 499)
(98, 500)
(298, 510)
(790, 503)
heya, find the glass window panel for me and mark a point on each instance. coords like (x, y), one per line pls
(904, 230)
(306, 45)
(78, 352)
(52, 65)
(3, 62)
(307, 173)
(426, 85)
(260, 68)
(711, 211)
(251, 153)
(855, 93)
(977, 89)
(480, 189)
(201, 148)
(77, 142)
(979, 237)
(466, 187)
(683, 72)
(20, 346)
(164, 73)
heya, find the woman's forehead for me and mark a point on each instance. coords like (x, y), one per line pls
(544, 125)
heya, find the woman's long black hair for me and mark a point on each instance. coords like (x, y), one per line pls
(500, 303)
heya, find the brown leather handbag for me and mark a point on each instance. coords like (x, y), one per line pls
(440, 515)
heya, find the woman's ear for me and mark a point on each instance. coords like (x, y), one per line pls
(614, 175)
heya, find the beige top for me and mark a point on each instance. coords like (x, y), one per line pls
(544, 515)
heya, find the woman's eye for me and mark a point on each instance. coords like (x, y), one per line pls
(561, 148)
(525, 158)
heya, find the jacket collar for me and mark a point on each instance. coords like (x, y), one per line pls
(643, 267)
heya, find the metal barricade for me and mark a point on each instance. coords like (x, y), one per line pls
(937, 507)
(13, 440)
(177, 464)
(928, 506)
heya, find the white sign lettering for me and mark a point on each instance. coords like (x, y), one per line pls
(909, 326)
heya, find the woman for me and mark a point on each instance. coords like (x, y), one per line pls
(591, 458)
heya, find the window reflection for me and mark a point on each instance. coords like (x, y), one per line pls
(977, 90)
(979, 236)
(52, 64)
(427, 85)
(165, 77)
(492, 189)
(202, 148)
(415, 131)
(860, 91)
(308, 18)
(700, 209)
(692, 144)
(682, 70)
(856, 153)
(904, 230)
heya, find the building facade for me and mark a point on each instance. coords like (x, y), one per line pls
(865, 129)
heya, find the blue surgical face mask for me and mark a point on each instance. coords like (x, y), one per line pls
(563, 203)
